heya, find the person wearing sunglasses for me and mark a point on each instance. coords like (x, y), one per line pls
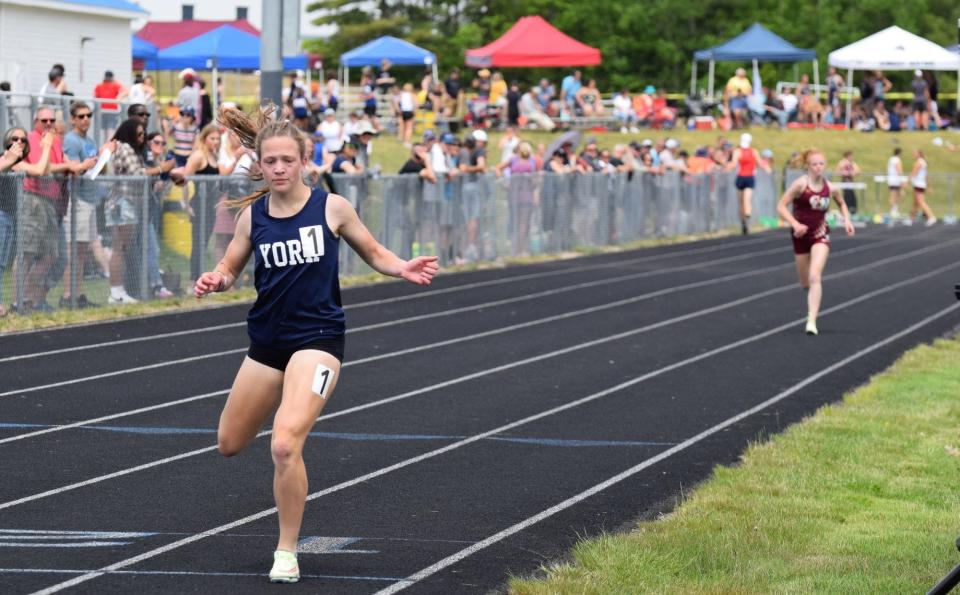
(16, 147)
(44, 204)
(78, 146)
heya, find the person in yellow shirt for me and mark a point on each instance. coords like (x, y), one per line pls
(735, 97)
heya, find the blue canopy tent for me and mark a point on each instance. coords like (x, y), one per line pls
(225, 47)
(396, 50)
(755, 44)
(144, 50)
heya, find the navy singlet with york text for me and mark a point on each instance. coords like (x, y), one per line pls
(296, 276)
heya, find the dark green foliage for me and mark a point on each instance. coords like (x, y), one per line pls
(643, 41)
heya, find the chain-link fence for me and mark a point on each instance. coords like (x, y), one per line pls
(77, 242)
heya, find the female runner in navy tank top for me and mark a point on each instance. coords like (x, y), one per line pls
(296, 326)
(810, 195)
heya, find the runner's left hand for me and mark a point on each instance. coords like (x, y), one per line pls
(420, 270)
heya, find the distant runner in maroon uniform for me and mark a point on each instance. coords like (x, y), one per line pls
(811, 196)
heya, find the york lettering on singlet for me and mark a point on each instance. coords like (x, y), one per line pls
(308, 248)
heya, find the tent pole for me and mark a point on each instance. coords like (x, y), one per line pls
(849, 95)
(693, 79)
(756, 74)
(215, 96)
(710, 88)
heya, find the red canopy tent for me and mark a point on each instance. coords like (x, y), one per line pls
(166, 34)
(533, 42)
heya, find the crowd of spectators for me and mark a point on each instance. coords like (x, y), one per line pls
(179, 141)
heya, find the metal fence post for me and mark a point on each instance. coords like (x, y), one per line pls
(145, 238)
(18, 235)
(73, 241)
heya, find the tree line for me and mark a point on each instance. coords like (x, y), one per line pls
(643, 42)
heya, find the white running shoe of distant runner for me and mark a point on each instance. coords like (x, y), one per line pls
(931, 222)
(811, 328)
(285, 568)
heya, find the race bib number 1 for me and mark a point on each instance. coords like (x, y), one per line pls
(311, 241)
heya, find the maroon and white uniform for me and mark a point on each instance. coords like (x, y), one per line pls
(810, 209)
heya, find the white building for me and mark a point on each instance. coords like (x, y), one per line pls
(87, 36)
(226, 10)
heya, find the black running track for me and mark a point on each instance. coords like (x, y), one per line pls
(482, 425)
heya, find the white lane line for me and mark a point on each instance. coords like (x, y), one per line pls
(86, 422)
(190, 573)
(573, 500)
(443, 313)
(448, 342)
(434, 453)
(412, 296)
(489, 371)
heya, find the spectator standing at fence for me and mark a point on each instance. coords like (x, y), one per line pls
(521, 194)
(79, 147)
(895, 180)
(849, 170)
(745, 160)
(473, 164)
(44, 203)
(158, 162)
(918, 179)
(139, 91)
(297, 324)
(810, 196)
(16, 149)
(125, 203)
(204, 167)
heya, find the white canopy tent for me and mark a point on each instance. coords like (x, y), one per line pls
(893, 49)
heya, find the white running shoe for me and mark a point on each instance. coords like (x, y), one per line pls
(285, 568)
(123, 298)
(931, 222)
(811, 328)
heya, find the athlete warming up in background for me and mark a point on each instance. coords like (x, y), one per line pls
(297, 324)
(810, 195)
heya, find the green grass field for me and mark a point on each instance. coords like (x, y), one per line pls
(859, 498)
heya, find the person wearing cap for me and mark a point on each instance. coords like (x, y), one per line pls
(346, 161)
(363, 138)
(331, 131)
(189, 96)
(921, 100)
(746, 160)
(472, 164)
(184, 132)
(666, 153)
